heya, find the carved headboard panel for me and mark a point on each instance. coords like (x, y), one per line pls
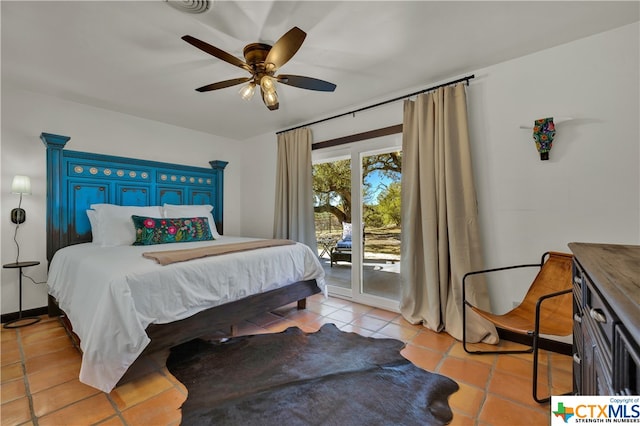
(75, 180)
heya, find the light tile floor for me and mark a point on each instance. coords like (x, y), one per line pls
(40, 366)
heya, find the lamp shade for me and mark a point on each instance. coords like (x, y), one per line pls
(246, 92)
(268, 83)
(270, 98)
(21, 185)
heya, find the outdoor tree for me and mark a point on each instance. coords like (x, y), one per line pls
(389, 204)
(332, 189)
(332, 182)
(390, 164)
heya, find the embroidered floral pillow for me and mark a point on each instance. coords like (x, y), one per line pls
(152, 230)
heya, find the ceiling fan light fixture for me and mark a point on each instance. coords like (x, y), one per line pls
(270, 98)
(247, 91)
(268, 83)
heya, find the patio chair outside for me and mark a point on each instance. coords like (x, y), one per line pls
(342, 250)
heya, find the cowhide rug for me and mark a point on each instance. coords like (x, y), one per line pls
(295, 378)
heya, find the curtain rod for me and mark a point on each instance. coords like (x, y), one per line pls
(465, 79)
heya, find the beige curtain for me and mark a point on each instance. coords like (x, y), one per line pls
(440, 238)
(294, 190)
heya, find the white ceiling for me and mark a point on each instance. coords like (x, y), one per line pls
(128, 56)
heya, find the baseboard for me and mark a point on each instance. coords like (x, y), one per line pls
(36, 312)
(547, 344)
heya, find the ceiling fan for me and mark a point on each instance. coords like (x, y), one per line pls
(262, 61)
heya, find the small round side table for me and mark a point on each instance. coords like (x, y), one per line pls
(30, 320)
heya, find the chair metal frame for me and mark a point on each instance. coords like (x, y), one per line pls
(535, 333)
(339, 254)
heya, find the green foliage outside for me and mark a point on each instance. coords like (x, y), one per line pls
(332, 189)
(381, 212)
(389, 205)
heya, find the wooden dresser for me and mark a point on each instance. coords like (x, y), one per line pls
(606, 314)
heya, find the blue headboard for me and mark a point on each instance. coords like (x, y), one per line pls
(75, 180)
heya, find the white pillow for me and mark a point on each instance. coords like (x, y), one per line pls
(95, 227)
(192, 210)
(115, 227)
(346, 231)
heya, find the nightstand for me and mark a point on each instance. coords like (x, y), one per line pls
(30, 320)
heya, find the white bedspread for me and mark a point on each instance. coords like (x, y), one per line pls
(111, 294)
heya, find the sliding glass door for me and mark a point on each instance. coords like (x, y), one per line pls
(380, 202)
(357, 205)
(332, 205)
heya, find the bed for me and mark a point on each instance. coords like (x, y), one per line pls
(122, 306)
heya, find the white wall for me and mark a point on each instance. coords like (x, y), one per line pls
(588, 191)
(259, 186)
(25, 115)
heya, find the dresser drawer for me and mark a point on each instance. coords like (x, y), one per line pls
(598, 314)
(603, 381)
(596, 364)
(578, 279)
(626, 380)
(578, 355)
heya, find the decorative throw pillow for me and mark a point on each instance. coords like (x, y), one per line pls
(114, 223)
(346, 231)
(191, 210)
(160, 230)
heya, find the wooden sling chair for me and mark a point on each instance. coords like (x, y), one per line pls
(547, 308)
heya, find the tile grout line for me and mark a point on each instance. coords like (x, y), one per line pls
(118, 413)
(445, 355)
(538, 407)
(486, 389)
(35, 418)
(27, 390)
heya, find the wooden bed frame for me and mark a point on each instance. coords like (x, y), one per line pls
(75, 180)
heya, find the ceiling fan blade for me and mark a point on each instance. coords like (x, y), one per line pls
(306, 82)
(220, 54)
(285, 48)
(223, 84)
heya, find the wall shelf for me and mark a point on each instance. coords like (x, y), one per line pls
(556, 120)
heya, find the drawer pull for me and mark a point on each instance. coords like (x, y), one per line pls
(597, 315)
(576, 359)
(577, 318)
